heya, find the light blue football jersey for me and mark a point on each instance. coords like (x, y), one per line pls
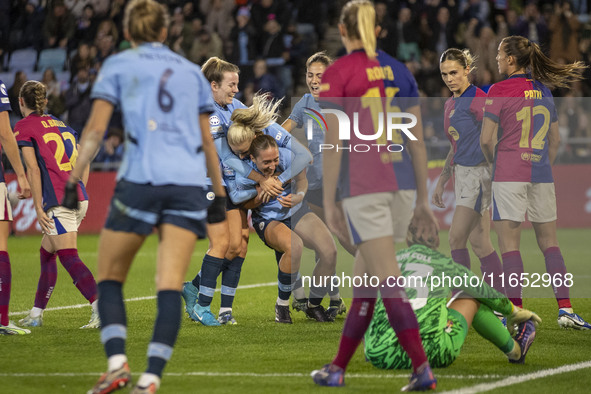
(219, 123)
(314, 170)
(161, 95)
(272, 210)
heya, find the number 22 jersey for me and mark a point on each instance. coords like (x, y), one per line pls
(55, 148)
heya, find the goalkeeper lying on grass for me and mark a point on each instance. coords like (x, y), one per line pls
(444, 325)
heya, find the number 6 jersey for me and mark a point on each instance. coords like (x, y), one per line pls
(55, 148)
(154, 86)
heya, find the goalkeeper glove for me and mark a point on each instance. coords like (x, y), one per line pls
(518, 316)
(70, 200)
(217, 210)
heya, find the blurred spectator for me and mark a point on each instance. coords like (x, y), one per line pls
(105, 48)
(5, 6)
(265, 10)
(387, 33)
(443, 28)
(264, 81)
(116, 13)
(564, 27)
(76, 7)
(101, 7)
(25, 28)
(573, 122)
(428, 73)
(59, 26)
(86, 25)
(243, 39)
(77, 99)
(107, 28)
(180, 35)
(532, 25)
(55, 101)
(218, 17)
(312, 16)
(271, 44)
(407, 36)
(485, 46)
(20, 77)
(81, 59)
(476, 9)
(205, 44)
(111, 152)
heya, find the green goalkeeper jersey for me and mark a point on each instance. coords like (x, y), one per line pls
(430, 278)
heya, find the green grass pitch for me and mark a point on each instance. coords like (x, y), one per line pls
(260, 356)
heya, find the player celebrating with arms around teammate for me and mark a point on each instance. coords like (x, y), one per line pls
(370, 182)
(463, 121)
(50, 149)
(161, 184)
(520, 137)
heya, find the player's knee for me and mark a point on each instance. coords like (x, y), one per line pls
(457, 240)
(328, 257)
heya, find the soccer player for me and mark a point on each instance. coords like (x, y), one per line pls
(472, 173)
(284, 223)
(369, 183)
(315, 67)
(49, 149)
(444, 327)
(520, 137)
(9, 144)
(162, 183)
(228, 242)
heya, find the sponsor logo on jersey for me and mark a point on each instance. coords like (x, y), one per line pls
(261, 226)
(5, 100)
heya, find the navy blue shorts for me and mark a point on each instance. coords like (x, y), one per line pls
(315, 197)
(229, 204)
(138, 208)
(260, 224)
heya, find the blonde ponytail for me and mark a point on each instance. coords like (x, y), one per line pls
(366, 21)
(247, 123)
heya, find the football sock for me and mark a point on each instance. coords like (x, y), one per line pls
(461, 256)
(317, 293)
(285, 282)
(488, 325)
(230, 279)
(356, 323)
(512, 264)
(491, 264)
(47, 278)
(166, 329)
(36, 312)
(557, 269)
(113, 320)
(404, 322)
(334, 293)
(80, 274)
(298, 288)
(5, 279)
(115, 362)
(210, 269)
(146, 379)
(197, 280)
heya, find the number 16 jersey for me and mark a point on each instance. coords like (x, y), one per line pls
(161, 95)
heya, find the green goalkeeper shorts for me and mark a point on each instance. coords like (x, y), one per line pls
(442, 349)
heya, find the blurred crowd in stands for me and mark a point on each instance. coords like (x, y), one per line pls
(64, 42)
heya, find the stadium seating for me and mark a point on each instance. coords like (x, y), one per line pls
(52, 58)
(23, 59)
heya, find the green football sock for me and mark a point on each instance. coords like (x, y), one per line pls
(490, 327)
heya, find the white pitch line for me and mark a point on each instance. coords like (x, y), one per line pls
(243, 374)
(59, 308)
(516, 379)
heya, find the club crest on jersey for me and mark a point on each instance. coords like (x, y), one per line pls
(261, 226)
(451, 113)
(214, 120)
(210, 196)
